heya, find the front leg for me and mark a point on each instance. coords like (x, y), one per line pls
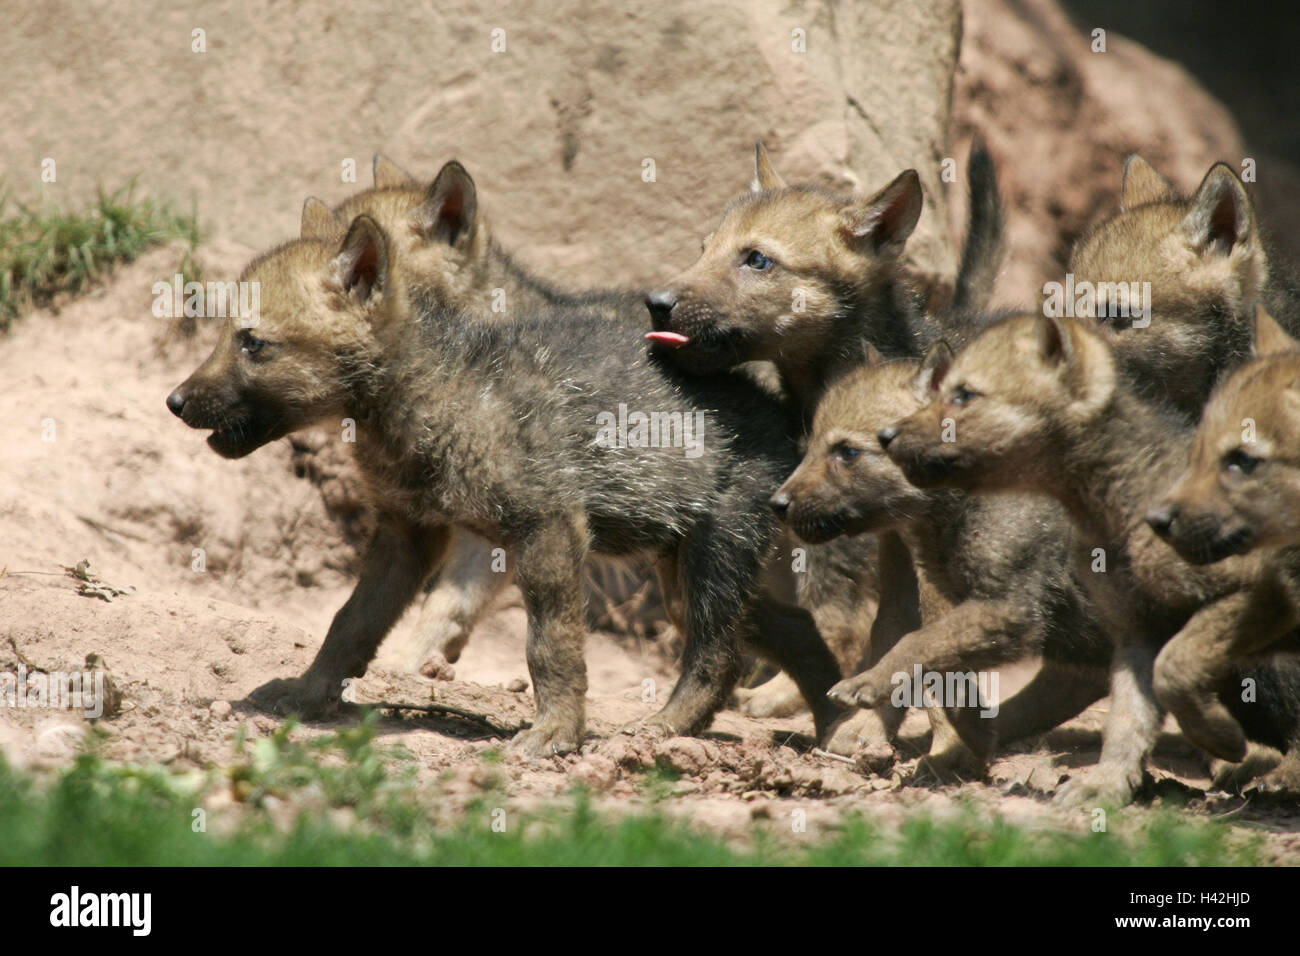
(1129, 735)
(549, 573)
(1204, 652)
(399, 560)
(974, 635)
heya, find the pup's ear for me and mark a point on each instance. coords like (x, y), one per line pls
(765, 177)
(1221, 216)
(1142, 185)
(886, 219)
(450, 208)
(871, 355)
(935, 365)
(1271, 338)
(317, 220)
(388, 173)
(1055, 346)
(361, 266)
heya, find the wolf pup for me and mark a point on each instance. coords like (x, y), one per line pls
(806, 279)
(524, 433)
(1239, 495)
(449, 250)
(1041, 404)
(809, 279)
(995, 581)
(1179, 279)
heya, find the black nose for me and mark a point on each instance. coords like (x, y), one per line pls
(176, 402)
(660, 305)
(886, 436)
(1161, 520)
(780, 503)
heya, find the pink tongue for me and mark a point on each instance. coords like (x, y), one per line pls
(673, 340)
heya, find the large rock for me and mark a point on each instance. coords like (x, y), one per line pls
(555, 127)
(1060, 119)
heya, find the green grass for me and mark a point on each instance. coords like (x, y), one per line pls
(46, 252)
(95, 813)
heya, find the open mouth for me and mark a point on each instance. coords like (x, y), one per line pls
(225, 441)
(673, 340)
(1199, 550)
(236, 441)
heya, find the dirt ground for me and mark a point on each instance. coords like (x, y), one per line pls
(94, 468)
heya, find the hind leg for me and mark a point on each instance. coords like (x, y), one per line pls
(1057, 693)
(839, 588)
(1203, 653)
(715, 570)
(464, 590)
(779, 697)
(549, 572)
(789, 636)
(398, 562)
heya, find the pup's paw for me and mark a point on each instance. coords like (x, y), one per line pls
(860, 691)
(858, 730)
(1106, 786)
(1283, 781)
(303, 697)
(954, 764)
(655, 727)
(547, 739)
(779, 697)
(1236, 778)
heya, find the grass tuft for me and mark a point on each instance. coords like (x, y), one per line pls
(45, 253)
(337, 800)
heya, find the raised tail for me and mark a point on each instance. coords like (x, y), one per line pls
(982, 256)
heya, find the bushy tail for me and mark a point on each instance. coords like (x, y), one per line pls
(982, 256)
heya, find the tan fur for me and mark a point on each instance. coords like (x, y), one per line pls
(835, 267)
(1239, 494)
(988, 570)
(1206, 266)
(1038, 404)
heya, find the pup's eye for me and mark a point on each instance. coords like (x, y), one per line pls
(250, 344)
(1239, 463)
(961, 395)
(846, 453)
(757, 261)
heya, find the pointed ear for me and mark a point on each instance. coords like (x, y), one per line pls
(450, 208)
(1142, 185)
(1270, 337)
(886, 219)
(765, 177)
(317, 220)
(871, 355)
(361, 266)
(1054, 343)
(935, 365)
(388, 173)
(1221, 216)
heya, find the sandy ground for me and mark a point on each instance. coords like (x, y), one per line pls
(122, 484)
